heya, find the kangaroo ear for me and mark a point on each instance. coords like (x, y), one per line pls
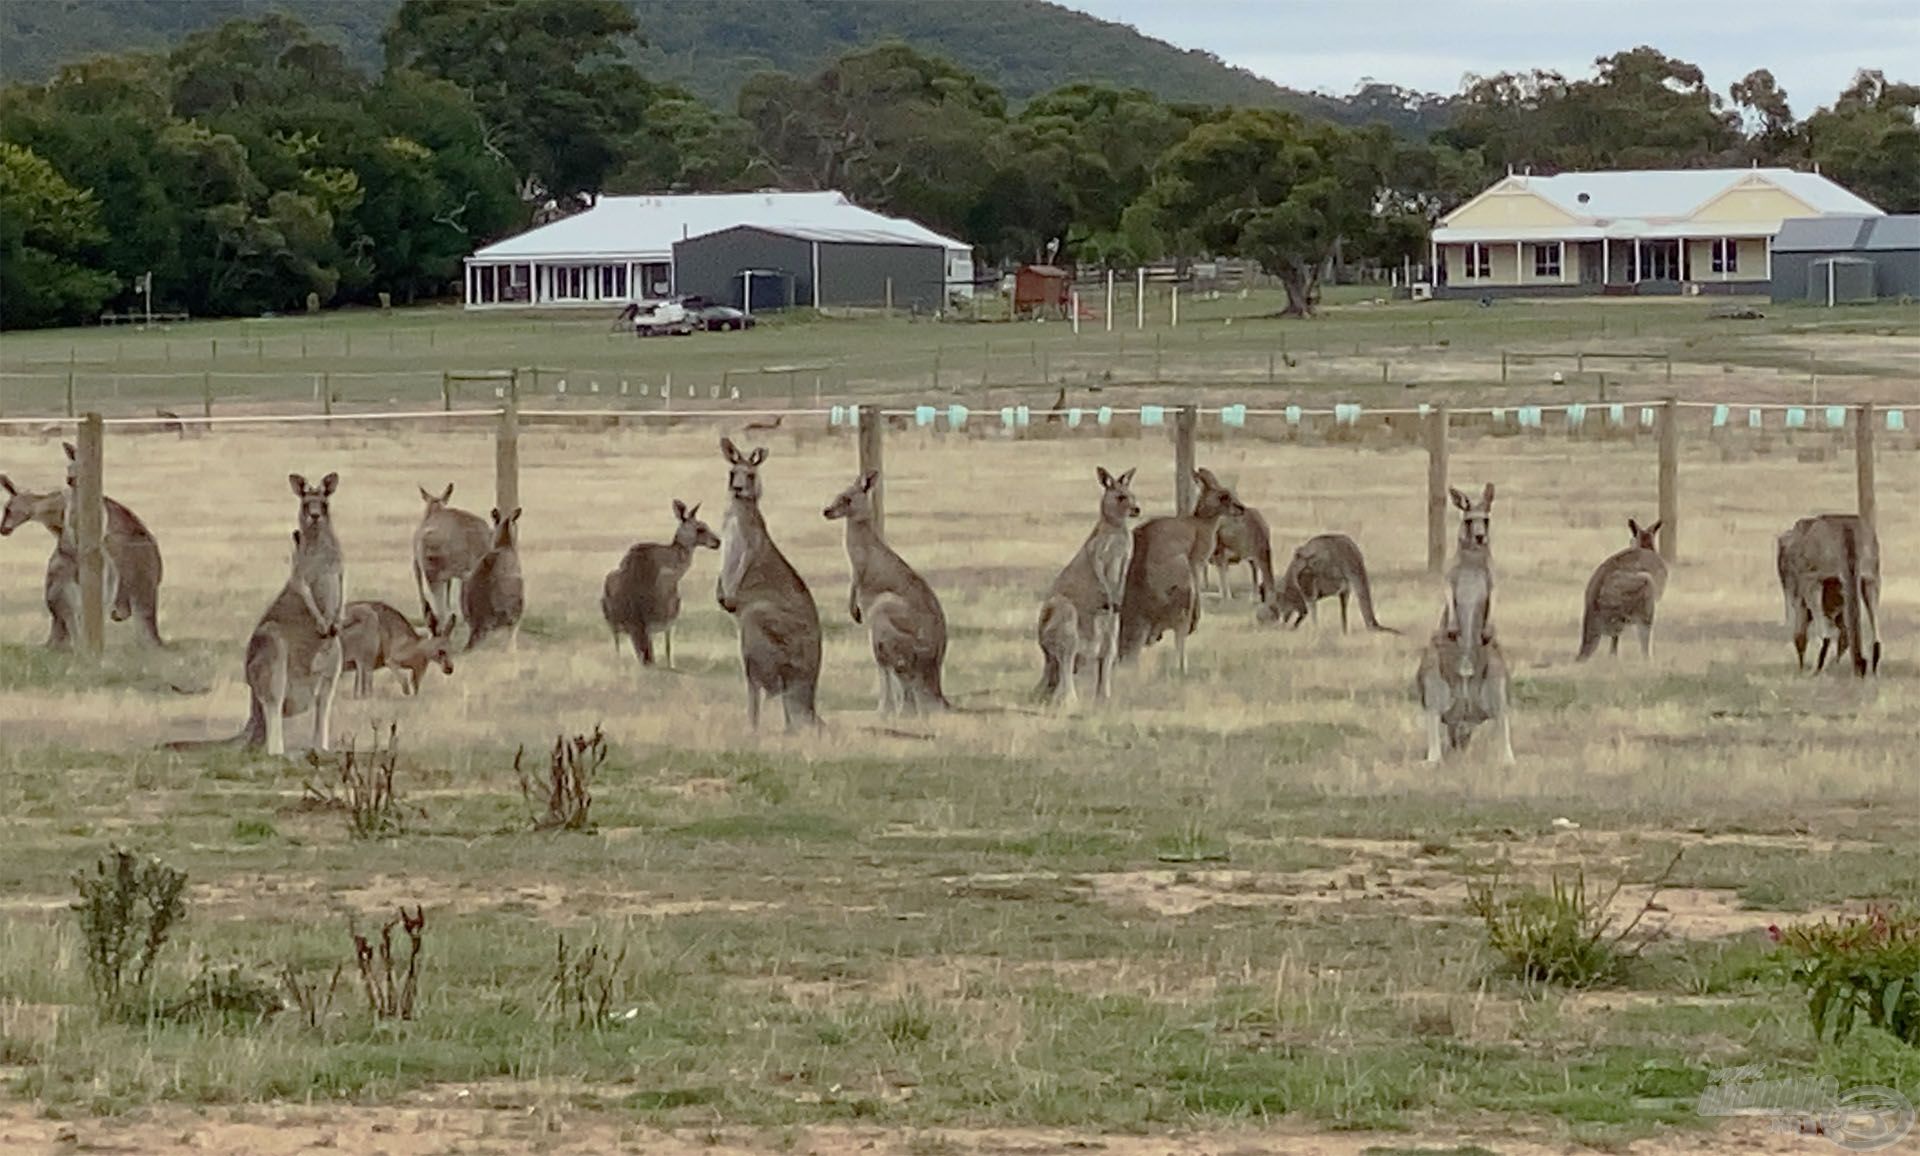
(1126, 479)
(299, 485)
(1106, 479)
(759, 455)
(515, 516)
(1486, 497)
(1655, 528)
(868, 479)
(7, 484)
(494, 514)
(679, 509)
(424, 496)
(728, 451)
(1459, 499)
(448, 496)
(73, 455)
(694, 512)
(1633, 527)
(329, 484)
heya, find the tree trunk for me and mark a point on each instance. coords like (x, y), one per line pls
(1299, 284)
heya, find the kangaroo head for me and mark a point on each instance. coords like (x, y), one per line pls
(436, 503)
(1215, 500)
(1116, 499)
(1476, 518)
(743, 480)
(23, 506)
(691, 533)
(856, 501)
(1643, 536)
(506, 531)
(313, 499)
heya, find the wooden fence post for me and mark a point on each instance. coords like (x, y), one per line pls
(446, 406)
(1670, 480)
(1186, 423)
(206, 394)
(90, 518)
(69, 393)
(506, 451)
(1437, 501)
(1863, 462)
(872, 432)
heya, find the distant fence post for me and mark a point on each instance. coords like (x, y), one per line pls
(1437, 488)
(69, 393)
(872, 432)
(206, 395)
(1186, 423)
(90, 517)
(446, 406)
(1140, 298)
(1109, 301)
(1670, 480)
(506, 451)
(1863, 462)
(1173, 307)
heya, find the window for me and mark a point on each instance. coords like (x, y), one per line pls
(1726, 255)
(1546, 260)
(1479, 261)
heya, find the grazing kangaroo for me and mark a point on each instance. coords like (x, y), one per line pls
(642, 594)
(447, 545)
(1244, 537)
(1165, 573)
(1622, 593)
(1323, 567)
(133, 561)
(293, 655)
(375, 635)
(1470, 580)
(902, 614)
(779, 623)
(1838, 549)
(1458, 693)
(493, 596)
(1080, 617)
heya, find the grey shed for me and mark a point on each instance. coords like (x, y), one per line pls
(813, 266)
(1812, 253)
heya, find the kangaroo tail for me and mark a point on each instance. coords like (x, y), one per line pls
(1363, 588)
(1852, 594)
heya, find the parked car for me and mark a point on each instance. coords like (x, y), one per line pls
(657, 318)
(716, 317)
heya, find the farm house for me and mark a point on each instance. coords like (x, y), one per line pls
(622, 249)
(755, 267)
(1834, 260)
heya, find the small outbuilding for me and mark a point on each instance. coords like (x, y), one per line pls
(1041, 291)
(1838, 260)
(815, 267)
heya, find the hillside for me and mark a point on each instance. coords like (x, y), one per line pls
(711, 46)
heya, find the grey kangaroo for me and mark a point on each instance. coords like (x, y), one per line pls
(1326, 566)
(642, 595)
(779, 623)
(1454, 701)
(493, 596)
(447, 545)
(1165, 573)
(134, 568)
(1838, 549)
(901, 612)
(1080, 617)
(374, 635)
(1470, 580)
(1244, 537)
(1623, 592)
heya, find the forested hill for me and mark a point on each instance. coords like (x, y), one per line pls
(1022, 47)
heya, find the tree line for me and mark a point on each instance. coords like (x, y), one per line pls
(253, 170)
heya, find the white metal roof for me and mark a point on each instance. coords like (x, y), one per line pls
(645, 228)
(1673, 193)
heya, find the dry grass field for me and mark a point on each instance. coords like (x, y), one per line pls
(1222, 913)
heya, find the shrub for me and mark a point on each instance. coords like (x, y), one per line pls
(563, 800)
(127, 910)
(1858, 966)
(391, 985)
(1565, 935)
(361, 784)
(228, 993)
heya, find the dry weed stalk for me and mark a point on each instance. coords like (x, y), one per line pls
(563, 800)
(363, 787)
(390, 993)
(314, 1004)
(585, 983)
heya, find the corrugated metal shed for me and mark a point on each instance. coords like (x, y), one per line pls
(1889, 248)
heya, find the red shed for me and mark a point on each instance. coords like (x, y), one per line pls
(1041, 289)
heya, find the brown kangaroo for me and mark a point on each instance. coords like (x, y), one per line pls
(1080, 617)
(293, 655)
(1839, 549)
(904, 621)
(447, 545)
(1245, 538)
(375, 635)
(779, 623)
(1470, 579)
(1623, 592)
(1454, 701)
(133, 561)
(1164, 574)
(1323, 567)
(493, 596)
(643, 594)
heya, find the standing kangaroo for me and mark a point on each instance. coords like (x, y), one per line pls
(1454, 702)
(133, 563)
(493, 596)
(1244, 537)
(1838, 549)
(642, 595)
(1080, 617)
(1165, 573)
(902, 614)
(293, 655)
(1622, 592)
(1470, 580)
(779, 623)
(375, 635)
(1323, 567)
(447, 545)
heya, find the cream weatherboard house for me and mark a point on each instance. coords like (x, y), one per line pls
(1664, 231)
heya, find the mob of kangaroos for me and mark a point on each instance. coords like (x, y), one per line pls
(904, 621)
(1080, 617)
(779, 623)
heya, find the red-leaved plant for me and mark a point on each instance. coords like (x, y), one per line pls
(1857, 966)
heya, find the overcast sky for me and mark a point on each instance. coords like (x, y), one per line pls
(1329, 45)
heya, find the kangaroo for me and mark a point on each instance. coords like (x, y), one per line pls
(133, 558)
(493, 596)
(1164, 573)
(375, 635)
(1456, 700)
(293, 655)
(1244, 538)
(1842, 550)
(642, 595)
(1323, 567)
(447, 545)
(902, 614)
(1622, 592)
(779, 623)
(1080, 617)
(1470, 580)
